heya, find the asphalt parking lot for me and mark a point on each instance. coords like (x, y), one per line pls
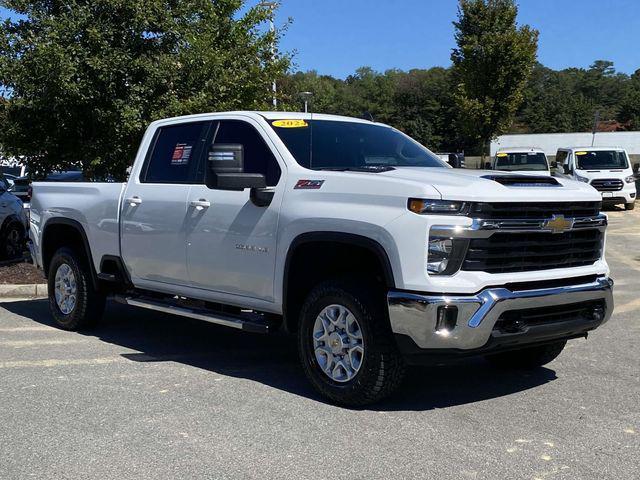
(147, 395)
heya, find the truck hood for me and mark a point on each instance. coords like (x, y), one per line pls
(477, 185)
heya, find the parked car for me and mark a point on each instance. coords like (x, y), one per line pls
(13, 168)
(361, 242)
(21, 187)
(607, 169)
(520, 159)
(13, 223)
(455, 160)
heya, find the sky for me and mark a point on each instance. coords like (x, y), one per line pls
(337, 36)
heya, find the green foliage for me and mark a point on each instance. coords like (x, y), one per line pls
(417, 102)
(83, 78)
(491, 66)
(553, 102)
(630, 107)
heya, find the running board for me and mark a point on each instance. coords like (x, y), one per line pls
(198, 314)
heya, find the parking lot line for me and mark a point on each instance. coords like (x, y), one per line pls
(28, 329)
(36, 343)
(61, 362)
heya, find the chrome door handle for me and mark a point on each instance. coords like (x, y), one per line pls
(200, 204)
(133, 201)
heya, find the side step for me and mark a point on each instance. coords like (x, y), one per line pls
(199, 314)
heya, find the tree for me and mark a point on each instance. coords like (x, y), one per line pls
(553, 103)
(630, 108)
(83, 78)
(491, 65)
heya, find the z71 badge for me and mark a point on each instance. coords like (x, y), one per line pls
(309, 184)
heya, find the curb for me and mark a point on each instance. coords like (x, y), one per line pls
(34, 290)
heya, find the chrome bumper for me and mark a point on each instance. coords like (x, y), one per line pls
(415, 315)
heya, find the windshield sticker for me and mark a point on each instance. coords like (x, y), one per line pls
(290, 123)
(181, 154)
(308, 184)
(581, 153)
(502, 155)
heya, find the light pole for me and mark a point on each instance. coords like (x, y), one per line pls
(306, 96)
(272, 28)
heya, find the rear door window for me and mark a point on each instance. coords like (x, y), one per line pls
(175, 153)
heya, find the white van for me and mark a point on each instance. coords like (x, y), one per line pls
(520, 159)
(607, 169)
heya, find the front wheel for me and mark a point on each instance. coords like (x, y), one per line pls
(528, 358)
(346, 346)
(73, 300)
(629, 206)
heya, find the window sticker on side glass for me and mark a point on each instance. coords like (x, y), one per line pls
(181, 154)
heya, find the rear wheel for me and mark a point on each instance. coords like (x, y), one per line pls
(629, 206)
(73, 301)
(527, 358)
(346, 346)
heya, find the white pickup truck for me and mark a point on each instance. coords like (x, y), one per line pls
(345, 232)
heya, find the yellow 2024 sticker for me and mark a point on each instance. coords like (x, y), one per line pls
(290, 123)
(502, 155)
(581, 153)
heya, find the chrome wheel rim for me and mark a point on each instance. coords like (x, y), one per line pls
(12, 242)
(65, 289)
(338, 344)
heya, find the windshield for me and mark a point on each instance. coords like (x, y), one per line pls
(521, 161)
(8, 170)
(601, 160)
(327, 144)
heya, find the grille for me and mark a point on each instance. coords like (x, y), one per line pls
(530, 251)
(516, 321)
(504, 210)
(607, 184)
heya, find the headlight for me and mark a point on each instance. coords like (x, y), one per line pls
(437, 207)
(630, 179)
(582, 179)
(445, 255)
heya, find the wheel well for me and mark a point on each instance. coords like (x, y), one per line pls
(67, 235)
(11, 220)
(312, 261)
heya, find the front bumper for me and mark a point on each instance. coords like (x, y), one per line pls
(414, 317)
(626, 195)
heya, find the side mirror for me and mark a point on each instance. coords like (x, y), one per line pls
(566, 169)
(487, 165)
(554, 165)
(636, 168)
(225, 169)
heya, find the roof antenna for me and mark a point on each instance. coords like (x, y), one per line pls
(367, 116)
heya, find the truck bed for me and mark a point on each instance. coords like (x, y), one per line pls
(95, 206)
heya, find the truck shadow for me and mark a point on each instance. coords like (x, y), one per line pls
(272, 360)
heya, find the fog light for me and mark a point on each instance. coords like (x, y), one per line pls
(446, 319)
(438, 254)
(598, 314)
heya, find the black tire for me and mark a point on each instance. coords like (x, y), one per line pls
(89, 304)
(629, 206)
(528, 358)
(13, 241)
(382, 368)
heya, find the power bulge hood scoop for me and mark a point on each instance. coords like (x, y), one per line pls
(493, 186)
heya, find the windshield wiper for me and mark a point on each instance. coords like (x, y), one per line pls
(364, 168)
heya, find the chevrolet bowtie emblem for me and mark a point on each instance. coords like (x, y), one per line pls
(558, 224)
